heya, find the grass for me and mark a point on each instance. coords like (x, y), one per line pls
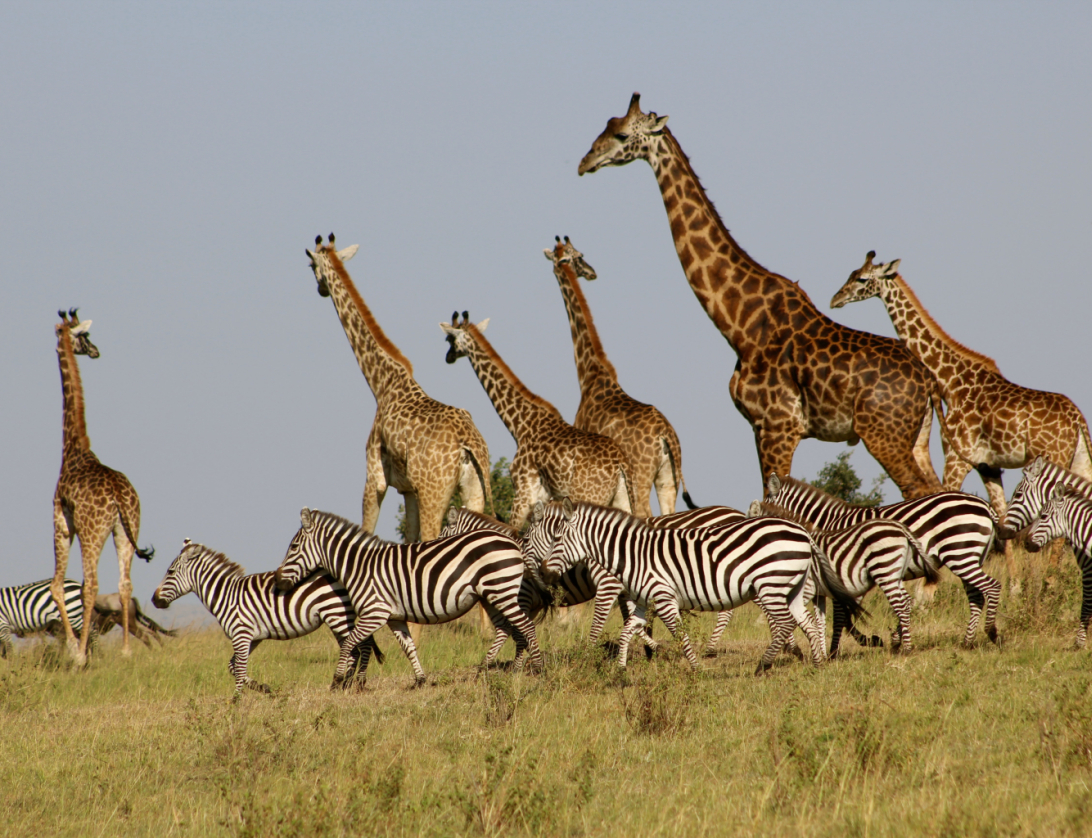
(941, 742)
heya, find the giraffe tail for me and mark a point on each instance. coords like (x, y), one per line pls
(674, 451)
(145, 553)
(479, 456)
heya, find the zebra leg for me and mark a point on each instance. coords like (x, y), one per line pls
(636, 622)
(781, 627)
(668, 610)
(367, 624)
(841, 618)
(405, 640)
(608, 589)
(494, 650)
(723, 618)
(5, 638)
(627, 607)
(507, 610)
(976, 601)
(979, 587)
(901, 604)
(1086, 598)
(798, 611)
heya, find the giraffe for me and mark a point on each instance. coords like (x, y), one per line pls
(644, 434)
(421, 447)
(553, 459)
(798, 373)
(91, 500)
(992, 424)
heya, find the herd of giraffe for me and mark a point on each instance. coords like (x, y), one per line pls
(798, 374)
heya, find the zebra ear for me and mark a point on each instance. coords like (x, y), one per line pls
(773, 484)
(755, 509)
(567, 508)
(1034, 468)
(453, 516)
(305, 518)
(538, 511)
(1058, 492)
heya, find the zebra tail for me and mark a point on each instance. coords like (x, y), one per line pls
(932, 572)
(837, 590)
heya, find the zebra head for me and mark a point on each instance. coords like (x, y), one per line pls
(303, 556)
(1051, 521)
(568, 543)
(1029, 497)
(538, 541)
(179, 578)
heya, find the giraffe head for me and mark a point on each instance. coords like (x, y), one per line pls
(322, 261)
(79, 332)
(626, 138)
(563, 253)
(459, 337)
(867, 281)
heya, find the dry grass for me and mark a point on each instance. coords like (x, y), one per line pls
(941, 742)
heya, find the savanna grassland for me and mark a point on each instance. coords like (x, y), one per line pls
(941, 742)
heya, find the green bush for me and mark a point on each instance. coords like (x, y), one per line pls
(840, 479)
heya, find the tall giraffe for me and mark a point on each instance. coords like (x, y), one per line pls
(644, 433)
(992, 424)
(91, 500)
(799, 374)
(421, 447)
(553, 459)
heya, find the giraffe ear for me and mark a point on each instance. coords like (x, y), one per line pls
(84, 327)
(891, 268)
(549, 253)
(755, 509)
(658, 124)
(448, 329)
(348, 253)
(482, 326)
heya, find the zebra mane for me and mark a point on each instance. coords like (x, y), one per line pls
(776, 511)
(488, 522)
(216, 559)
(814, 492)
(1071, 480)
(335, 520)
(612, 513)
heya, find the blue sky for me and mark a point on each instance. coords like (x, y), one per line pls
(165, 165)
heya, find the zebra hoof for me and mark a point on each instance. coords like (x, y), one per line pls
(991, 633)
(649, 652)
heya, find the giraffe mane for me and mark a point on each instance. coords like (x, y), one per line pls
(940, 334)
(370, 323)
(589, 321)
(815, 491)
(506, 371)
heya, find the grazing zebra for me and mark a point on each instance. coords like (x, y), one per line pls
(426, 582)
(955, 528)
(1068, 514)
(26, 609)
(763, 559)
(876, 552)
(1033, 491)
(250, 609)
(141, 626)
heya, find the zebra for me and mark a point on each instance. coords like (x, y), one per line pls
(874, 552)
(1068, 513)
(955, 528)
(25, 609)
(1034, 490)
(250, 609)
(425, 582)
(763, 559)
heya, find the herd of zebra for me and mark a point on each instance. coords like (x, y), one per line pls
(788, 553)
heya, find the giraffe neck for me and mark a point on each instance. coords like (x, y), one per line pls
(953, 364)
(732, 287)
(387, 371)
(519, 408)
(592, 364)
(75, 426)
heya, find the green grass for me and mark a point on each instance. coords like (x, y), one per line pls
(941, 742)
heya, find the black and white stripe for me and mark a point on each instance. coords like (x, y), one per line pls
(864, 555)
(956, 530)
(1034, 490)
(430, 582)
(1068, 514)
(250, 609)
(25, 609)
(763, 559)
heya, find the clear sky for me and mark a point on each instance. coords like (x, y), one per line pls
(165, 165)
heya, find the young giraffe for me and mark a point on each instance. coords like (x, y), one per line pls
(553, 459)
(91, 500)
(605, 408)
(799, 374)
(421, 447)
(992, 424)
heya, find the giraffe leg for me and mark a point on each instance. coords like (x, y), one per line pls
(375, 481)
(666, 486)
(776, 447)
(62, 543)
(125, 550)
(621, 499)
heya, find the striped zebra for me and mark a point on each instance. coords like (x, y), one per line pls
(424, 582)
(582, 582)
(25, 609)
(877, 552)
(1068, 514)
(1034, 490)
(250, 609)
(763, 559)
(955, 528)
